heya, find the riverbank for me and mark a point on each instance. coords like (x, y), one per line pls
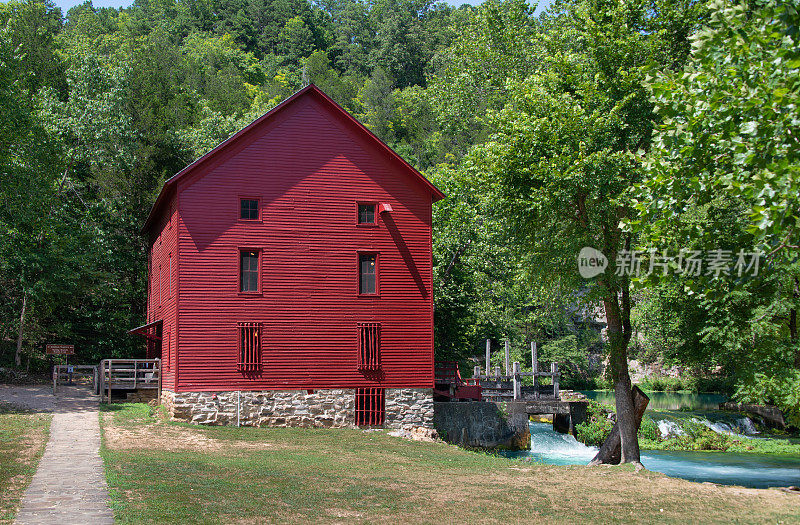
(161, 471)
(682, 421)
(751, 470)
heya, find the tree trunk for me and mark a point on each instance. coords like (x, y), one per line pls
(18, 356)
(618, 333)
(611, 451)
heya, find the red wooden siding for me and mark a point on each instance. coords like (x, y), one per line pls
(308, 167)
(162, 299)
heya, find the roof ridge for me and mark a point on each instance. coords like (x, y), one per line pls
(311, 87)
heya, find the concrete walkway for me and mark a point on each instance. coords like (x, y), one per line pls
(69, 487)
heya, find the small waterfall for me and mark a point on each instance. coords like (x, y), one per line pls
(747, 426)
(555, 448)
(729, 468)
(669, 428)
(742, 426)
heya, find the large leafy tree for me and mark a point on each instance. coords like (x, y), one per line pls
(729, 140)
(565, 152)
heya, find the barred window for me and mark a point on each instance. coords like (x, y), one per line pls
(369, 346)
(249, 347)
(370, 406)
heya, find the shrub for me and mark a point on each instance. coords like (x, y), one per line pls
(663, 384)
(597, 426)
(649, 430)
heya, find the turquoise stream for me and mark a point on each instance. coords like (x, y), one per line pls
(727, 468)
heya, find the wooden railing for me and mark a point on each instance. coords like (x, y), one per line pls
(129, 374)
(69, 373)
(508, 386)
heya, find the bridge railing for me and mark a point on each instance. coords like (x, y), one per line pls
(497, 386)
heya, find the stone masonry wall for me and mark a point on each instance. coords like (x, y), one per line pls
(405, 408)
(275, 408)
(481, 424)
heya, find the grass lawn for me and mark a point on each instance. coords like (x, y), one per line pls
(162, 472)
(23, 436)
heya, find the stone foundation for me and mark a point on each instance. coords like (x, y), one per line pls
(142, 395)
(406, 408)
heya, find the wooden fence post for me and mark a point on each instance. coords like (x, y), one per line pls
(535, 369)
(554, 372)
(108, 383)
(517, 381)
(488, 355)
(55, 378)
(507, 357)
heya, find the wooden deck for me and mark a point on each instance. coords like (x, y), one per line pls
(129, 374)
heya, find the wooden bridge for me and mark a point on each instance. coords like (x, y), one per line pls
(112, 374)
(531, 400)
(500, 387)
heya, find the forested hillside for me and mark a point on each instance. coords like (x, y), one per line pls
(643, 124)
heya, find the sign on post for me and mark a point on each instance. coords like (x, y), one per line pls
(60, 349)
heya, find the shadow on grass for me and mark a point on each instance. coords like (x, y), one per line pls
(9, 408)
(105, 407)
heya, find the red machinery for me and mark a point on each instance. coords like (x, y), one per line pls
(449, 386)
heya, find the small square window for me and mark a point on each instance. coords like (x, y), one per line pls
(248, 271)
(248, 209)
(366, 273)
(366, 214)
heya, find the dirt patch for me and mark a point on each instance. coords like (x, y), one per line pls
(161, 436)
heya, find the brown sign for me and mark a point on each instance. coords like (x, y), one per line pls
(60, 349)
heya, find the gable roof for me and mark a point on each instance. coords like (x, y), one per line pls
(309, 90)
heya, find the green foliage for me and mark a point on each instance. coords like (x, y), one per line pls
(571, 354)
(597, 426)
(723, 174)
(700, 437)
(668, 384)
(648, 429)
(781, 389)
(725, 125)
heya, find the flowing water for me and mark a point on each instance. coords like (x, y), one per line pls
(668, 409)
(726, 468)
